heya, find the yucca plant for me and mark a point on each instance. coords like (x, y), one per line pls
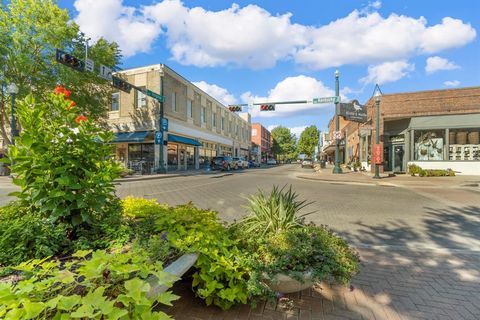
(274, 212)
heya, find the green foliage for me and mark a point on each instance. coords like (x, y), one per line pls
(220, 277)
(62, 163)
(26, 235)
(308, 141)
(96, 285)
(416, 170)
(275, 212)
(296, 251)
(30, 30)
(283, 143)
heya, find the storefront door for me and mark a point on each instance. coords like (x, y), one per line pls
(398, 158)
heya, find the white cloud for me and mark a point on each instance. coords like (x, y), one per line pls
(436, 64)
(387, 72)
(219, 93)
(109, 19)
(252, 37)
(453, 83)
(291, 89)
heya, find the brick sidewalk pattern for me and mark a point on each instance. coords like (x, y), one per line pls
(392, 285)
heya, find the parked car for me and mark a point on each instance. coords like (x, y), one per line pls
(223, 163)
(253, 164)
(307, 163)
(271, 161)
(241, 162)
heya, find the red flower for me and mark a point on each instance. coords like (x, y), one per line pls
(62, 90)
(80, 118)
(72, 105)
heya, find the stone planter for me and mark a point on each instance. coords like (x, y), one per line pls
(176, 268)
(286, 284)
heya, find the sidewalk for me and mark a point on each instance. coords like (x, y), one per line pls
(401, 180)
(166, 175)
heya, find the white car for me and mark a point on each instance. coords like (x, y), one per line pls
(272, 161)
(241, 162)
(307, 163)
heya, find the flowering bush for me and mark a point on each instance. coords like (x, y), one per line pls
(62, 163)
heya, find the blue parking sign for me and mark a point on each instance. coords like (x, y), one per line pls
(164, 124)
(158, 137)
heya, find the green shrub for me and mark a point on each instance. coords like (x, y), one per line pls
(275, 212)
(413, 169)
(62, 162)
(416, 170)
(25, 234)
(220, 276)
(99, 285)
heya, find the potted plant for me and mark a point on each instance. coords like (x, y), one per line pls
(287, 254)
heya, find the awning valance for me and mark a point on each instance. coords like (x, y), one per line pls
(184, 140)
(137, 136)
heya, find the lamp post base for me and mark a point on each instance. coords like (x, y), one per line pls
(337, 169)
(377, 173)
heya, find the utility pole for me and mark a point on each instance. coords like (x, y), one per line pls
(337, 168)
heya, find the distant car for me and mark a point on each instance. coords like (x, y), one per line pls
(271, 161)
(241, 162)
(253, 164)
(223, 163)
(307, 163)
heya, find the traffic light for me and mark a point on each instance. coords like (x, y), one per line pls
(69, 60)
(121, 84)
(267, 107)
(234, 108)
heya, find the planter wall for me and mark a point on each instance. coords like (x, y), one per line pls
(286, 284)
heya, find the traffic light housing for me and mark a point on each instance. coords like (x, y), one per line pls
(121, 84)
(69, 60)
(234, 108)
(267, 107)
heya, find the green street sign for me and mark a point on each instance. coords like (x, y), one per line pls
(154, 95)
(326, 100)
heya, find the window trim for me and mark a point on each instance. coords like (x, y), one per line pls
(174, 101)
(118, 102)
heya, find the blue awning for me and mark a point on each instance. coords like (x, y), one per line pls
(137, 136)
(179, 139)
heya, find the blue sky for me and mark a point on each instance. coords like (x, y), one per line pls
(247, 51)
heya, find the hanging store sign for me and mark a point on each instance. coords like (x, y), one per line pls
(353, 111)
(377, 154)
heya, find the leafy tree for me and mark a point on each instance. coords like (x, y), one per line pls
(30, 30)
(283, 142)
(308, 141)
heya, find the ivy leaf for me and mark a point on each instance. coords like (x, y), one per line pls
(67, 303)
(117, 313)
(84, 311)
(167, 298)
(33, 309)
(135, 287)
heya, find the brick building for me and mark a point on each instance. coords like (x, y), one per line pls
(261, 143)
(436, 129)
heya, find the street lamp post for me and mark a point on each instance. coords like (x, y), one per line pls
(12, 89)
(337, 168)
(161, 162)
(378, 97)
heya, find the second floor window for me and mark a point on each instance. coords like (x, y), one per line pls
(174, 101)
(115, 101)
(214, 119)
(202, 114)
(223, 123)
(189, 109)
(141, 98)
(254, 132)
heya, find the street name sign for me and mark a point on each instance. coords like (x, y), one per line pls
(154, 95)
(325, 100)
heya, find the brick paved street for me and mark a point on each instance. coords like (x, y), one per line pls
(419, 244)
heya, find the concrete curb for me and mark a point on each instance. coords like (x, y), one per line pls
(163, 176)
(339, 181)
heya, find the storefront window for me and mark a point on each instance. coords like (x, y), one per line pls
(464, 144)
(429, 145)
(141, 157)
(190, 156)
(172, 155)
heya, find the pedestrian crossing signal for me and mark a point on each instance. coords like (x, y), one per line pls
(121, 84)
(267, 107)
(69, 60)
(234, 108)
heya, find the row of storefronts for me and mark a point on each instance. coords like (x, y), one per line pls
(438, 129)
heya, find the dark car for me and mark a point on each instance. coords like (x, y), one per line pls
(223, 163)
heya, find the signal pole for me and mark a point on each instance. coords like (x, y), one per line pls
(337, 168)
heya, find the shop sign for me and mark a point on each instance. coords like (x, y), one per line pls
(377, 154)
(353, 111)
(158, 137)
(397, 138)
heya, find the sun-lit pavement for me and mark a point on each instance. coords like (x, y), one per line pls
(419, 244)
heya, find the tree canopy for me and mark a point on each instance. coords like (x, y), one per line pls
(308, 141)
(283, 143)
(30, 31)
